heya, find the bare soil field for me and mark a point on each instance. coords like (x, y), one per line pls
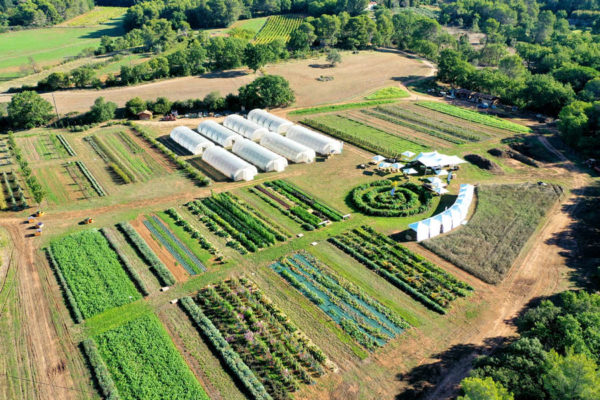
(374, 68)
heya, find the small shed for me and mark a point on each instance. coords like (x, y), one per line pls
(145, 115)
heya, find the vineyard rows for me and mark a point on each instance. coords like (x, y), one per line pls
(367, 321)
(408, 271)
(278, 27)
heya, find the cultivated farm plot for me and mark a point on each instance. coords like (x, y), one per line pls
(364, 136)
(59, 185)
(96, 16)
(51, 146)
(125, 157)
(505, 217)
(184, 256)
(13, 195)
(245, 229)
(144, 363)
(363, 318)
(92, 271)
(411, 273)
(474, 116)
(279, 357)
(86, 183)
(278, 27)
(296, 204)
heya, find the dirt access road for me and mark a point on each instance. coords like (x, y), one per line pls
(355, 75)
(540, 273)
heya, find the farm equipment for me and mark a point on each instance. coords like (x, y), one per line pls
(88, 221)
(169, 117)
(39, 213)
(30, 219)
(38, 232)
(40, 225)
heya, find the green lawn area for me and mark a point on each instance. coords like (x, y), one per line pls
(96, 16)
(19, 49)
(254, 24)
(115, 67)
(388, 93)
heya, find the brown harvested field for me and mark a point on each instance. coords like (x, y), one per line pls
(374, 68)
(167, 258)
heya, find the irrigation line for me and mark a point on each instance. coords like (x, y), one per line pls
(51, 385)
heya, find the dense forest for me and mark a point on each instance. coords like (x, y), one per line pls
(40, 12)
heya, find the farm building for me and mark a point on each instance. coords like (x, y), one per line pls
(144, 115)
(229, 164)
(261, 157)
(318, 142)
(218, 133)
(246, 128)
(288, 148)
(190, 140)
(269, 121)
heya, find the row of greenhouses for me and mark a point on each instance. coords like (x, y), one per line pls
(255, 142)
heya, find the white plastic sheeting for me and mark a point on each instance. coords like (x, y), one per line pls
(288, 148)
(190, 140)
(318, 142)
(450, 219)
(218, 133)
(269, 121)
(260, 156)
(229, 164)
(436, 160)
(245, 127)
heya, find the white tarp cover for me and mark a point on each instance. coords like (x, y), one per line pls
(190, 140)
(456, 217)
(435, 226)
(433, 159)
(245, 127)
(288, 148)
(317, 141)
(218, 133)
(378, 158)
(229, 164)
(260, 156)
(270, 121)
(408, 154)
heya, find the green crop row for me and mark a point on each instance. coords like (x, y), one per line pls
(160, 270)
(474, 116)
(66, 145)
(86, 172)
(100, 372)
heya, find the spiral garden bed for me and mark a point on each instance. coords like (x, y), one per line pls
(376, 199)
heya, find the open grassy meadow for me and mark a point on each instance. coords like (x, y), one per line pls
(23, 53)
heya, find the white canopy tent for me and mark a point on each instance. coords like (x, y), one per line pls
(229, 164)
(409, 171)
(190, 140)
(245, 127)
(288, 148)
(318, 142)
(408, 154)
(259, 156)
(377, 159)
(270, 121)
(437, 160)
(218, 133)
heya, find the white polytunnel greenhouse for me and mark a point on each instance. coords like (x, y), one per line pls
(190, 140)
(218, 133)
(229, 164)
(245, 127)
(288, 148)
(262, 157)
(318, 142)
(269, 121)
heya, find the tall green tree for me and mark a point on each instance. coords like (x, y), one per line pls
(267, 92)
(573, 377)
(483, 389)
(28, 110)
